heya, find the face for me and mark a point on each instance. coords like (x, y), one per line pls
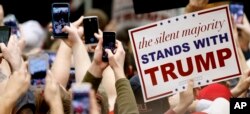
(1, 15)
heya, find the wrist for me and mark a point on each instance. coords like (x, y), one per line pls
(119, 73)
(55, 102)
(95, 70)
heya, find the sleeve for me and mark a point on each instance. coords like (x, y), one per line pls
(125, 102)
(93, 80)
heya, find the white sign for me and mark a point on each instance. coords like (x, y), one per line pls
(197, 46)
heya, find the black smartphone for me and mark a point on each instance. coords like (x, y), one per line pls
(237, 11)
(81, 101)
(38, 66)
(90, 24)
(60, 18)
(108, 43)
(5, 32)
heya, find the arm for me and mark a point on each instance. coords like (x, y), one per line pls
(125, 102)
(81, 60)
(108, 83)
(80, 54)
(16, 86)
(52, 95)
(95, 71)
(242, 85)
(61, 65)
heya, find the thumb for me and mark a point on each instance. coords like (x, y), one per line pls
(66, 29)
(109, 52)
(240, 26)
(24, 66)
(78, 22)
(2, 46)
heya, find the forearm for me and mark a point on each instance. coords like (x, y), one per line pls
(126, 103)
(6, 105)
(81, 60)
(56, 106)
(61, 65)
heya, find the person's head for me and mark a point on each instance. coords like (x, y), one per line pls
(129, 64)
(1, 15)
(25, 104)
(33, 34)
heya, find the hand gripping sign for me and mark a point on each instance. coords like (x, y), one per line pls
(198, 46)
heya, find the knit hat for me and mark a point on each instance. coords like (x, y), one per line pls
(213, 91)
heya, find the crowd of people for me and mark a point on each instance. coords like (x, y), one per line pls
(116, 88)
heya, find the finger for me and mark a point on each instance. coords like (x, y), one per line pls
(109, 52)
(78, 22)
(66, 29)
(99, 34)
(99, 44)
(119, 45)
(52, 38)
(245, 20)
(240, 26)
(190, 85)
(21, 44)
(24, 67)
(50, 30)
(3, 47)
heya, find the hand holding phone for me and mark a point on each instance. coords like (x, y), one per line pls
(237, 11)
(108, 43)
(81, 101)
(38, 66)
(60, 18)
(90, 24)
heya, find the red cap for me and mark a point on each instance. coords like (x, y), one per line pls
(213, 91)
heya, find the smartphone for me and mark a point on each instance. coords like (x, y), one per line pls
(90, 24)
(5, 32)
(80, 103)
(108, 43)
(60, 18)
(11, 21)
(237, 11)
(38, 66)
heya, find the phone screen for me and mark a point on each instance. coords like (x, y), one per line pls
(80, 103)
(108, 43)
(38, 66)
(90, 27)
(237, 12)
(60, 18)
(4, 34)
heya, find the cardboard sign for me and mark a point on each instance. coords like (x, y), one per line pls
(198, 46)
